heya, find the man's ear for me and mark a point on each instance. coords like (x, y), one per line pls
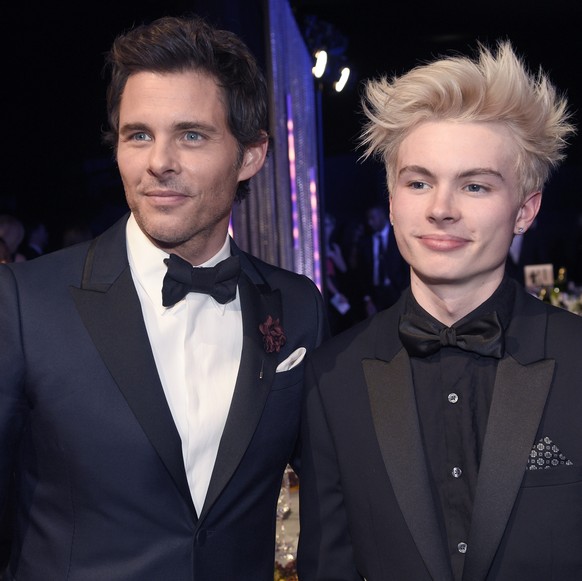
(253, 159)
(528, 212)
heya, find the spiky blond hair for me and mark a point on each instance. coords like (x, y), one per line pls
(493, 87)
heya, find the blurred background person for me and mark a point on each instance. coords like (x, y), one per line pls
(576, 270)
(337, 273)
(12, 232)
(530, 247)
(35, 240)
(5, 256)
(76, 232)
(381, 271)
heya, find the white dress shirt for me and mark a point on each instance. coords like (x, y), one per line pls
(197, 345)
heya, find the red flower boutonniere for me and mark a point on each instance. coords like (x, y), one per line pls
(273, 335)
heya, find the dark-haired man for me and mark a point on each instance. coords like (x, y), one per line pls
(148, 409)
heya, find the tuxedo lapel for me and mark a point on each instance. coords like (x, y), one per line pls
(522, 384)
(254, 380)
(397, 428)
(110, 309)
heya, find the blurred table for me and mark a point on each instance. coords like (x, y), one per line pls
(287, 537)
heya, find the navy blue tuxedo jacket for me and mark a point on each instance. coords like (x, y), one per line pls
(366, 502)
(88, 446)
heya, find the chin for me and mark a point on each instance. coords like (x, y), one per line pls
(445, 277)
(160, 227)
(166, 237)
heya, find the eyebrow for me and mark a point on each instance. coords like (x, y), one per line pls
(195, 126)
(477, 171)
(180, 126)
(132, 127)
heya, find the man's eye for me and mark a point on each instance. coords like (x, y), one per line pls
(140, 136)
(417, 185)
(476, 188)
(193, 136)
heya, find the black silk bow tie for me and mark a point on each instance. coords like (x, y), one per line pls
(483, 335)
(217, 281)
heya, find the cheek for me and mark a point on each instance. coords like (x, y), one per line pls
(128, 168)
(403, 244)
(497, 232)
(403, 213)
(500, 222)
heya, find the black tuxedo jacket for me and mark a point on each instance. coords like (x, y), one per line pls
(100, 490)
(366, 503)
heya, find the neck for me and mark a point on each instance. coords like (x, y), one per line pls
(448, 302)
(196, 251)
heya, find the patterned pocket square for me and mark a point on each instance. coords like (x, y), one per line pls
(545, 454)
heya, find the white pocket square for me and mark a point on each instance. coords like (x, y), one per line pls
(294, 359)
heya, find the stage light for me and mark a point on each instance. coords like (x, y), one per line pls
(320, 64)
(344, 76)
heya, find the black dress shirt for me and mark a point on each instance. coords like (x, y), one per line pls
(453, 391)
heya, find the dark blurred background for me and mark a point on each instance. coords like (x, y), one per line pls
(54, 94)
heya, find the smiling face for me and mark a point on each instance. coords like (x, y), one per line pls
(455, 207)
(179, 162)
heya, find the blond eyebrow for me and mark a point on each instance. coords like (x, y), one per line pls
(478, 171)
(415, 169)
(481, 171)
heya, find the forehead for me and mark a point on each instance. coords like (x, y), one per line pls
(179, 92)
(457, 145)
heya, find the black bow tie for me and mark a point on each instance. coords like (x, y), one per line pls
(483, 335)
(217, 281)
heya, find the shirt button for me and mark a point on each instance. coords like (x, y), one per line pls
(453, 398)
(456, 472)
(462, 547)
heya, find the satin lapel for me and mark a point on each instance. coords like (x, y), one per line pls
(253, 384)
(395, 417)
(110, 309)
(518, 401)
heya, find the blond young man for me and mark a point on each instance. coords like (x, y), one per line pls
(442, 438)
